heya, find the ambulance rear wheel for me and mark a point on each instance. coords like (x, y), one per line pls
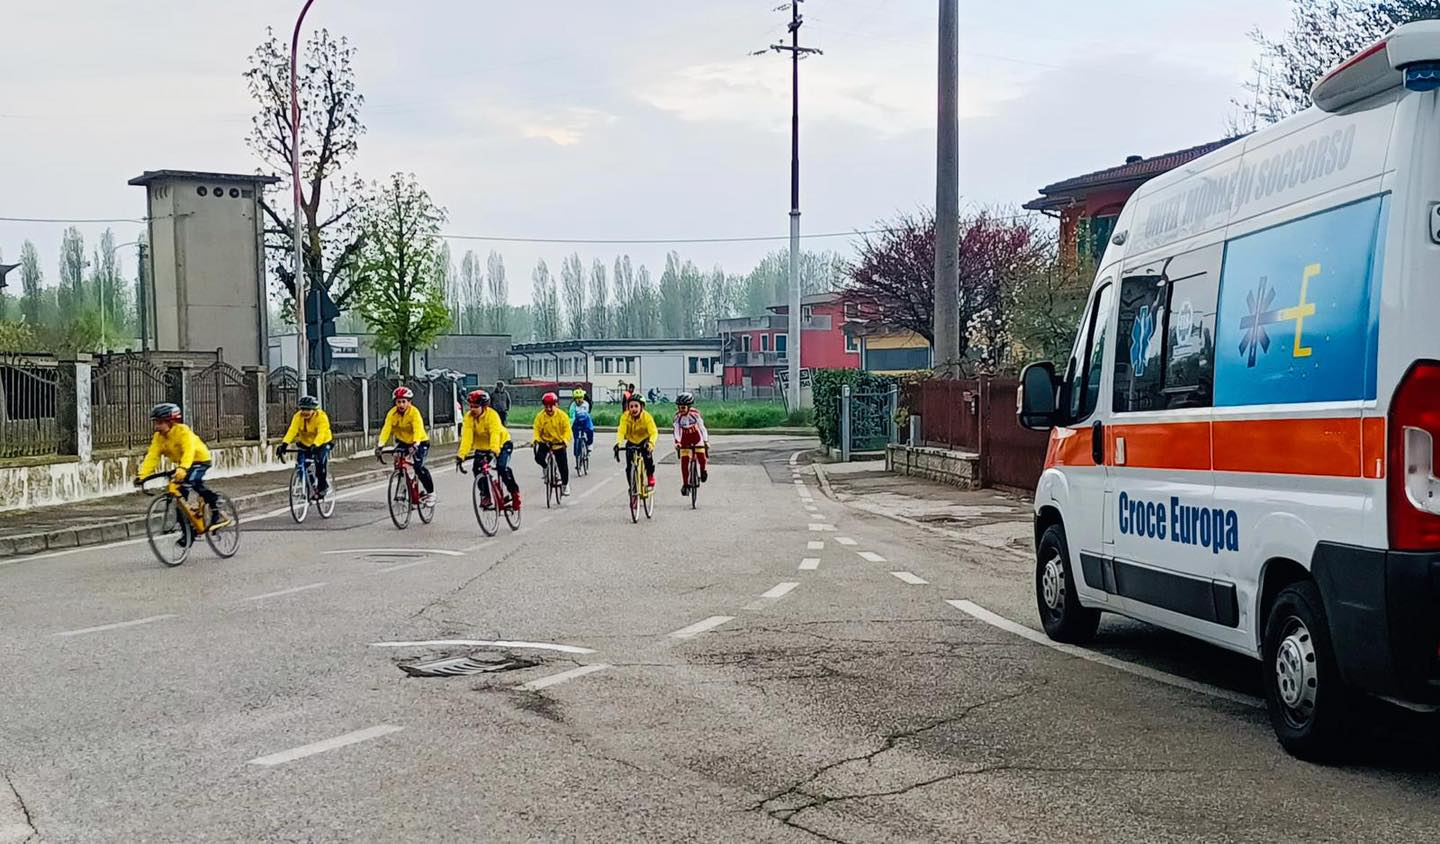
(1065, 620)
(1307, 700)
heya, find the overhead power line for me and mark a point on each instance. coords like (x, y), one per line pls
(642, 240)
(73, 220)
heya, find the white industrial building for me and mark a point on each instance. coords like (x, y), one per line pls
(669, 366)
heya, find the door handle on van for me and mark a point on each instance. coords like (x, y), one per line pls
(1097, 443)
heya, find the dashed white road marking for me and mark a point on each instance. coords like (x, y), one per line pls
(321, 746)
(389, 569)
(484, 643)
(821, 527)
(811, 508)
(780, 590)
(701, 626)
(871, 557)
(399, 552)
(909, 578)
(795, 457)
(307, 587)
(815, 545)
(980, 613)
(116, 626)
(562, 677)
(810, 564)
(845, 540)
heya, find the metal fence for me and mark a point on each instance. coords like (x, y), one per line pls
(27, 427)
(979, 415)
(949, 412)
(123, 388)
(220, 404)
(282, 391)
(344, 402)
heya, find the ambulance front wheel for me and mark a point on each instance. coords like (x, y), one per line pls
(1307, 700)
(1065, 620)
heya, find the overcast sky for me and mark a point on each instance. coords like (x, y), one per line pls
(619, 119)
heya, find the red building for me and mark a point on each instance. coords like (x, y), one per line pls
(1088, 205)
(754, 348)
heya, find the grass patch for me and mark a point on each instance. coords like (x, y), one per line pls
(719, 415)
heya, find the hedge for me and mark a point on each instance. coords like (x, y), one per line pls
(827, 384)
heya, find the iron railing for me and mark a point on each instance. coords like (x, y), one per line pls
(220, 404)
(122, 390)
(29, 385)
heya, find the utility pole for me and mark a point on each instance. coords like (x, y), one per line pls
(302, 364)
(796, 53)
(947, 197)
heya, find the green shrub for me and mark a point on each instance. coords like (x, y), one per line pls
(827, 386)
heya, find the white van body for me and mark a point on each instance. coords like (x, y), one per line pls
(1249, 327)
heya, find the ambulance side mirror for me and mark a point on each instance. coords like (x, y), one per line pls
(1036, 400)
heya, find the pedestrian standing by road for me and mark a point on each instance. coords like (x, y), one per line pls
(500, 401)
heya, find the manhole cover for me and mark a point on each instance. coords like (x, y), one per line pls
(461, 666)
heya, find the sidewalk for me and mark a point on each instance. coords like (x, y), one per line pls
(117, 517)
(982, 516)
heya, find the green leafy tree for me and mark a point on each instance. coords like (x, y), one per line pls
(472, 294)
(544, 304)
(31, 279)
(626, 308)
(71, 295)
(402, 295)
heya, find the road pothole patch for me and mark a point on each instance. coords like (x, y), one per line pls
(465, 665)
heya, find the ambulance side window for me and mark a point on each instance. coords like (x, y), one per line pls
(1190, 340)
(1139, 339)
(1165, 346)
(1084, 386)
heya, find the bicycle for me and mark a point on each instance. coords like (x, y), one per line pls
(582, 460)
(171, 537)
(692, 478)
(554, 489)
(641, 495)
(305, 488)
(405, 493)
(499, 500)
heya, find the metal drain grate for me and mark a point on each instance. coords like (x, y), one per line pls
(461, 666)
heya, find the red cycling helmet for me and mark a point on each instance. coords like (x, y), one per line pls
(479, 398)
(403, 393)
(549, 399)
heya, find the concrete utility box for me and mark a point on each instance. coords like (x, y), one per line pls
(207, 270)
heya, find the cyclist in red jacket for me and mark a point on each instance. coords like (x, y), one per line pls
(690, 433)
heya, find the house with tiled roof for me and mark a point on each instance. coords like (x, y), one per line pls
(1087, 206)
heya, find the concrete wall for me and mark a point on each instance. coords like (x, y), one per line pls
(957, 468)
(44, 484)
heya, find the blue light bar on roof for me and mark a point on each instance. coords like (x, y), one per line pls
(1422, 76)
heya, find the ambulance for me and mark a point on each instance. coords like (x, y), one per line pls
(1242, 441)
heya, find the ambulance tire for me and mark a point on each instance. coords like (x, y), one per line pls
(1308, 701)
(1064, 619)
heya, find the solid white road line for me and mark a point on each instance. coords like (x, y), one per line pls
(116, 626)
(815, 545)
(820, 527)
(780, 590)
(482, 643)
(845, 540)
(980, 613)
(810, 564)
(701, 626)
(795, 457)
(389, 569)
(910, 578)
(400, 552)
(871, 557)
(321, 746)
(291, 591)
(563, 676)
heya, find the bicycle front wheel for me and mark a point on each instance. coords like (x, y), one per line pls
(636, 478)
(489, 519)
(224, 536)
(694, 481)
(326, 505)
(512, 516)
(551, 493)
(649, 499)
(168, 531)
(300, 496)
(399, 499)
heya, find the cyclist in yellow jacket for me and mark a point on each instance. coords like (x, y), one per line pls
(408, 426)
(483, 434)
(177, 443)
(637, 431)
(551, 429)
(311, 427)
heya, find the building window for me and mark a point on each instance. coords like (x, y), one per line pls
(852, 310)
(694, 364)
(1169, 306)
(782, 344)
(807, 312)
(745, 343)
(630, 365)
(764, 342)
(852, 344)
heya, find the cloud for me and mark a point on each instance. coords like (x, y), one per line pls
(563, 126)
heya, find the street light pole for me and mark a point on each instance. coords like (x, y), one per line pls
(100, 292)
(302, 359)
(946, 328)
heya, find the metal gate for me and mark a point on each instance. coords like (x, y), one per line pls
(867, 420)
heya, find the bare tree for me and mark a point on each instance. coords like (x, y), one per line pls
(572, 284)
(497, 299)
(544, 304)
(625, 310)
(472, 292)
(599, 323)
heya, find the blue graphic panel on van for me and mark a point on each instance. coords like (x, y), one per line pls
(1299, 313)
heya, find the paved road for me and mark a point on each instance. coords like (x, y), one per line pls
(751, 671)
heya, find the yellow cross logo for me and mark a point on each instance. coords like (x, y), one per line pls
(1301, 310)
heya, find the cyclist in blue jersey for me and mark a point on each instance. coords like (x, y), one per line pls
(580, 421)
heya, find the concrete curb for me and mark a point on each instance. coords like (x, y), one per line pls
(115, 530)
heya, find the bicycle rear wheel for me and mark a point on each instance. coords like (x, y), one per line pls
(169, 532)
(225, 538)
(512, 516)
(426, 505)
(399, 495)
(326, 505)
(300, 496)
(649, 500)
(489, 520)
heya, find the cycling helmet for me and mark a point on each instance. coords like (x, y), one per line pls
(636, 397)
(549, 399)
(577, 394)
(479, 398)
(403, 393)
(165, 411)
(309, 403)
(687, 399)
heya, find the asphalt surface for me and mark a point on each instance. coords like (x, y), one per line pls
(657, 681)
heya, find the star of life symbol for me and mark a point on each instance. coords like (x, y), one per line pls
(1140, 334)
